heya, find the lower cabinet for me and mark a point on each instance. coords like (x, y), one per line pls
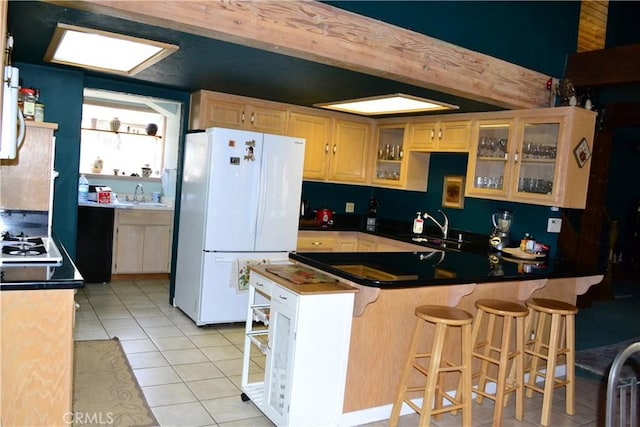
(142, 241)
(306, 353)
(36, 359)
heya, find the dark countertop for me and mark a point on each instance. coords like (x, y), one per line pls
(453, 262)
(65, 276)
(390, 270)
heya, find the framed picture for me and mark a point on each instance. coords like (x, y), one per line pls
(453, 192)
(582, 152)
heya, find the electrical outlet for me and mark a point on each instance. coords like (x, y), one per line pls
(554, 225)
(350, 207)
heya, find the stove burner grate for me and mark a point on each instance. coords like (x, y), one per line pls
(24, 250)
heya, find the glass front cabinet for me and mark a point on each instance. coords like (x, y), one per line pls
(535, 156)
(390, 156)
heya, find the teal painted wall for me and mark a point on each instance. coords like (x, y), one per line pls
(61, 92)
(402, 205)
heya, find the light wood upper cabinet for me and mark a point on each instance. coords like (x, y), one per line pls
(350, 151)
(26, 182)
(442, 135)
(210, 109)
(336, 149)
(316, 130)
(142, 241)
(533, 156)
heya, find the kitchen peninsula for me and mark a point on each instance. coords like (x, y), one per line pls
(390, 285)
(38, 311)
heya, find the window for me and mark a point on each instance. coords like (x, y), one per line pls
(116, 139)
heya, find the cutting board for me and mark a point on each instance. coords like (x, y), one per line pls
(299, 275)
(518, 253)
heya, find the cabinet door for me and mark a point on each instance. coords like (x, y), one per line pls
(26, 182)
(266, 119)
(454, 136)
(280, 356)
(423, 136)
(491, 158)
(316, 131)
(349, 153)
(221, 113)
(389, 167)
(157, 249)
(536, 171)
(129, 250)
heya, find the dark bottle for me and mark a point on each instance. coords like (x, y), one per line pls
(371, 214)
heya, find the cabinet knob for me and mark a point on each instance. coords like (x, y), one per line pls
(335, 148)
(242, 117)
(253, 118)
(440, 134)
(316, 243)
(515, 158)
(326, 148)
(433, 133)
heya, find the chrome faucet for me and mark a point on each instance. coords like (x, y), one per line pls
(135, 192)
(444, 227)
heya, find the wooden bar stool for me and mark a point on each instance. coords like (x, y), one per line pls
(497, 358)
(434, 369)
(549, 342)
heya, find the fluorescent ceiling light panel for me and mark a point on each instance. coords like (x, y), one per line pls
(388, 104)
(104, 51)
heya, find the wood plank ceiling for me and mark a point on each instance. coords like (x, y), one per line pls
(592, 28)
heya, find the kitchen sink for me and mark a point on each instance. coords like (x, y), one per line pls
(142, 204)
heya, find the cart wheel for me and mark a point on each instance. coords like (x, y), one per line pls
(244, 397)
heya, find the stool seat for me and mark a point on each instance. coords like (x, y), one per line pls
(502, 308)
(445, 315)
(552, 306)
(433, 366)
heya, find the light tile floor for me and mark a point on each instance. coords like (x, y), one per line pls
(191, 375)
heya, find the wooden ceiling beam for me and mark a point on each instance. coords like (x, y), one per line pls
(322, 33)
(615, 65)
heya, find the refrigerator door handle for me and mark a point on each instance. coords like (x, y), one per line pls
(263, 197)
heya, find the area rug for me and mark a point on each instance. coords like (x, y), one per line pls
(598, 360)
(105, 390)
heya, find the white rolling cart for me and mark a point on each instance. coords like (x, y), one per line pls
(304, 335)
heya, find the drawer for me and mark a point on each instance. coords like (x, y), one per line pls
(284, 296)
(315, 243)
(261, 283)
(145, 217)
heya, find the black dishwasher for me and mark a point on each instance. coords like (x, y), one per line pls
(94, 243)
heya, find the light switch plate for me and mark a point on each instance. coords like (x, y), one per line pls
(554, 225)
(350, 207)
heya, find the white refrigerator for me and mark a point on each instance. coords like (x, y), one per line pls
(240, 204)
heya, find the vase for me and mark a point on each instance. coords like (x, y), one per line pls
(152, 129)
(114, 124)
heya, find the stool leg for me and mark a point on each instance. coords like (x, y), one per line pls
(397, 404)
(486, 351)
(570, 361)
(519, 362)
(430, 398)
(549, 379)
(537, 346)
(465, 396)
(502, 371)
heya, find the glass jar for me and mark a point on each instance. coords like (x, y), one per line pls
(27, 103)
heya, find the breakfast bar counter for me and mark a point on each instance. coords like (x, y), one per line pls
(392, 285)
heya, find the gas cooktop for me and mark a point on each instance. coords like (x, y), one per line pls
(25, 251)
